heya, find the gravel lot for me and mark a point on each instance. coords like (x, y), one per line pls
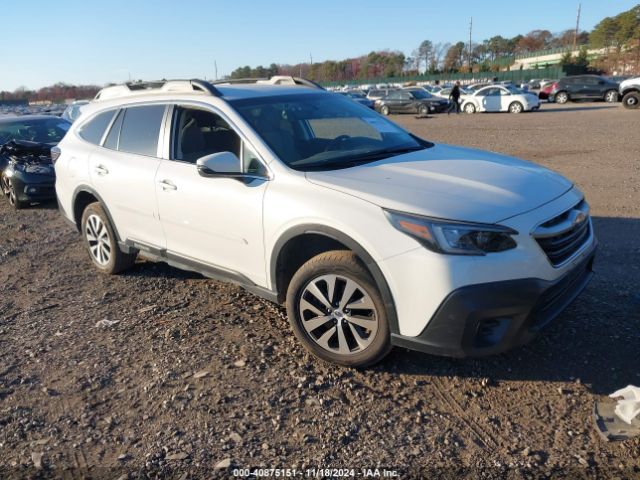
(197, 375)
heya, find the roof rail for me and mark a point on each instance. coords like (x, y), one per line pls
(140, 88)
(275, 80)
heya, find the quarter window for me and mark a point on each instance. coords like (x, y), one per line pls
(114, 134)
(93, 130)
(141, 129)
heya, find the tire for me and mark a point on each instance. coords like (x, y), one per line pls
(384, 110)
(631, 100)
(423, 110)
(611, 96)
(469, 108)
(101, 241)
(10, 192)
(516, 107)
(327, 326)
(561, 98)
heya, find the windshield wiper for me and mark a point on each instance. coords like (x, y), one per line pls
(360, 159)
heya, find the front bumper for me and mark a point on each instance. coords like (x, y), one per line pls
(486, 319)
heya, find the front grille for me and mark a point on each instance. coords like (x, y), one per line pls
(562, 236)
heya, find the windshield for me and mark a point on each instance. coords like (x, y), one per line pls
(513, 89)
(41, 130)
(421, 94)
(324, 131)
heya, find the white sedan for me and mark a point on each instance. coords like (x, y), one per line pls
(500, 98)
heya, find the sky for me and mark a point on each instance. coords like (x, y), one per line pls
(89, 42)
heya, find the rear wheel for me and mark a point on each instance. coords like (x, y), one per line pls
(469, 108)
(102, 243)
(611, 96)
(384, 110)
(631, 100)
(516, 107)
(423, 110)
(562, 98)
(337, 312)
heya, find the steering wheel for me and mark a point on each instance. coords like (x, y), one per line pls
(333, 143)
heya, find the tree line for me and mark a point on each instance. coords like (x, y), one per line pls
(57, 93)
(619, 34)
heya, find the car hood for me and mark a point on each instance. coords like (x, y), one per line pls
(449, 182)
(628, 82)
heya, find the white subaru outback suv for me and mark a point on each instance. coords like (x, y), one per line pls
(371, 236)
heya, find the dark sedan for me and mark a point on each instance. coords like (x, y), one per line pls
(411, 100)
(26, 169)
(358, 97)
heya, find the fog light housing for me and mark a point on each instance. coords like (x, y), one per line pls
(31, 190)
(491, 332)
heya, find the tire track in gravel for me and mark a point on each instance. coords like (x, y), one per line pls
(482, 436)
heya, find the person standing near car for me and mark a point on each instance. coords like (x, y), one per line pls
(454, 98)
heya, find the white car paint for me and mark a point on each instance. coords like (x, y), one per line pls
(224, 223)
(498, 98)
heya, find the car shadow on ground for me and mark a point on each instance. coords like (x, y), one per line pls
(596, 340)
(574, 108)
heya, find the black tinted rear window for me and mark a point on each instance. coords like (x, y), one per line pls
(93, 130)
(140, 130)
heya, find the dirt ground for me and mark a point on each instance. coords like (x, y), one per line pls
(197, 375)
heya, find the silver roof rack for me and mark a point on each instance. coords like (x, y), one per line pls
(142, 88)
(275, 80)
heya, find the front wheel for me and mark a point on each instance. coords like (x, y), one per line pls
(423, 110)
(384, 110)
(631, 100)
(611, 96)
(102, 243)
(337, 312)
(10, 192)
(469, 108)
(516, 107)
(562, 98)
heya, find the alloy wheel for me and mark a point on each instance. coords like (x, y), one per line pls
(98, 238)
(9, 191)
(338, 314)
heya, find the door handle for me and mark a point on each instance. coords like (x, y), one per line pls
(101, 170)
(167, 185)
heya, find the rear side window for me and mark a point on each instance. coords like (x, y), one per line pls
(93, 130)
(140, 130)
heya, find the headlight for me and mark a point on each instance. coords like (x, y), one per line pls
(457, 238)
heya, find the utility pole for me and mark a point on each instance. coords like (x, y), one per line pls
(215, 67)
(575, 34)
(470, 30)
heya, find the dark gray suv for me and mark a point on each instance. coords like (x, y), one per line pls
(584, 87)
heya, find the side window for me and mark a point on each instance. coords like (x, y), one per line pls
(197, 133)
(93, 130)
(140, 130)
(405, 96)
(394, 96)
(113, 136)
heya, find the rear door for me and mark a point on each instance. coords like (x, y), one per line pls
(123, 171)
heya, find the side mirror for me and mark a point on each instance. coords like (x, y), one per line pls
(224, 165)
(218, 164)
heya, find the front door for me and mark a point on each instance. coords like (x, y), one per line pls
(212, 221)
